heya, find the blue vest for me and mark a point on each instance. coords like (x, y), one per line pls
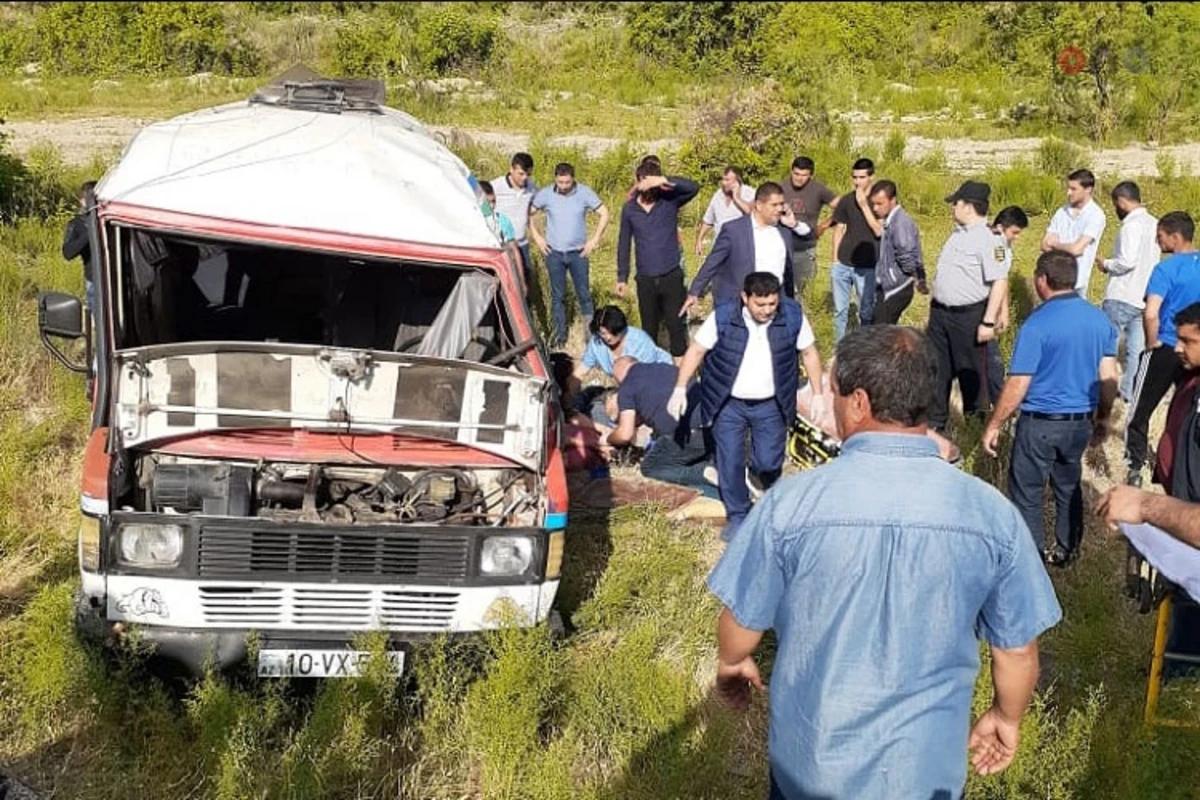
(721, 364)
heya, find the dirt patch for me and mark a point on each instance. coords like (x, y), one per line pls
(77, 140)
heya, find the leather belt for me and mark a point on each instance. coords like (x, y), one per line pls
(1073, 417)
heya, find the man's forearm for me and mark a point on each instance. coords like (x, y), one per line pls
(734, 643)
(1177, 517)
(1010, 400)
(701, 232)
(691, 362)
(995, 299)
(1150, 328)
(1014, 677)
(603, 223)
(1108, 388)
(813, 368)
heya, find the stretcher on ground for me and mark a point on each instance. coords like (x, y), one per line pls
(808, 445)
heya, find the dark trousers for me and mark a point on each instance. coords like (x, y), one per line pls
(558, 264)
(1158, 370)
(1049, 448)
(888, 311)
(804, 268)
(526, 267)
(951, 332)
(659, 300)
(994, 367)
(768, 439)
(681, 460)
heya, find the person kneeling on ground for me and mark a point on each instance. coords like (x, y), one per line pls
(681, 453)
(611, 337)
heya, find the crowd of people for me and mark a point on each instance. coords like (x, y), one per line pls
(873, 675)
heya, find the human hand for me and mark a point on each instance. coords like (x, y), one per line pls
(1122, 503)
(734, 682)
(1100, 430)
(1002, 320)
(678, 403)
(621, 288)
(699, 247)
(922, 287)
(816, 407)
(991, 440)
(788, 217)
(653, 182)
(688, 304)
(984, 334)
(588, 248)
(993, 742)
(543, 246)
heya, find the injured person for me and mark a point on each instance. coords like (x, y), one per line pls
(681, 452)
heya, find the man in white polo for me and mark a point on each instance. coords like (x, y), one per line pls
(1078, 226)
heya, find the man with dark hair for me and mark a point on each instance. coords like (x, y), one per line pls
(77, 244)
(901, 266)
(1078, 226)
(805, 196)
(514, 193)
(650, 223)
(1006, 227)
(1135, 255)
(856, 248)
(503, 224)
(732, 200)
(969, 287)
(1064, 380)
(873, 677)
(761, 241)
(750, 384)
(1173, 286)
(566, 244)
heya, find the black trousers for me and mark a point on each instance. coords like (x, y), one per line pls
(887, 312)
(960, 357)
(1158, 370)
(659, 300)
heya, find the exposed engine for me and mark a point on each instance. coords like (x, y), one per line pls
(337, 494)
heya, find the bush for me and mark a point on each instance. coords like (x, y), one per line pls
(366, 47)
(717, 34)
(450, 37)
(1059, 158)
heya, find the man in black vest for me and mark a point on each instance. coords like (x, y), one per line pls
(750, 385)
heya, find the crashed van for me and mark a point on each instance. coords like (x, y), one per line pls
(319, 403)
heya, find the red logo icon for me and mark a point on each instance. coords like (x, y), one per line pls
(1072, 60)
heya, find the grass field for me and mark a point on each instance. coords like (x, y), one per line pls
(619, 709)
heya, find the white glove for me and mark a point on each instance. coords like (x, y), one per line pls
(677, 405)
(816, 408)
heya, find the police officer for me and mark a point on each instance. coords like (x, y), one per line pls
(968, 292)
(750, 384)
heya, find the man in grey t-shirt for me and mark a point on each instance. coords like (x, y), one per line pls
(805, 196)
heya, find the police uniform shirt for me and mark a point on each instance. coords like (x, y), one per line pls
(971, 259)
(756, 376)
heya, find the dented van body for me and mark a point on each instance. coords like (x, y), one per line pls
(320, 406)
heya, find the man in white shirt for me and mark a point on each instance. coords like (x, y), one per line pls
(1135, 255)
(750, 384)
(731, 201)
(514, 192)
(1078, 226)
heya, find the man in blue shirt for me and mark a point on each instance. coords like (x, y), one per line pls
(1174, 285)
(1063, 377)
(611, 338)
(650, 222)
(566, 244)
(878, 570)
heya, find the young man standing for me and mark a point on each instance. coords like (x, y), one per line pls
(650, 223)
(514, 192)
(1078, 226)
(1006, 227)
(1173, 286)
(1063, 380)
(77, 244)
(1135, 255)
(901, 266)
(856, 248)
(750, 385)
(566, 244)
(734, 199)
(805, 196)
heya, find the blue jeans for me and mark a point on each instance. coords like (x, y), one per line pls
(1049, 448)
(1128, 320)
(768, 440)
(845, 279)
(681, 462)
(558, 264)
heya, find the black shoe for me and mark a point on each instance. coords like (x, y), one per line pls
(1058, 557)
(1134, 478)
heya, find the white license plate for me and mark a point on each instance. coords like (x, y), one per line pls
(319, 663)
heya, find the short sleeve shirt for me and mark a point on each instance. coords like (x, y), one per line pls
(1177, 281)
(806, 203)
(513, 202)
(638, 346)
(859, 247)
(1090, 221)
(971, 260)
(1061, 345)
(721, 209)
(566, 215)
(755, 379)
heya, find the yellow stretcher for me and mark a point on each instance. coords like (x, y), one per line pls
(1158, 660)
(809, 446)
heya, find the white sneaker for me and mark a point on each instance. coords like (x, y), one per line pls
(710, 475)
(752, 483)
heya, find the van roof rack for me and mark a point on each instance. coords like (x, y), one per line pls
(301, 88)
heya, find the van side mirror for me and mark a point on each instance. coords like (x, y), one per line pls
(60, 315)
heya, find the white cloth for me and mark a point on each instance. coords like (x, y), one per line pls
(1179, 561)
(770, 254)
(756, 375)
(1135, 255)
(1069, 227)
(722, 209)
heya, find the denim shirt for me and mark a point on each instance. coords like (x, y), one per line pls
(878, 571)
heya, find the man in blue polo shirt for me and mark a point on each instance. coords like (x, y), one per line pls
(1063, 377)
(566, 244)
(1174, 285)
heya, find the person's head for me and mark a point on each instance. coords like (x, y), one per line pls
(489, 193)
(1010, 222)
(760, 295)
(1187, 328)
(882, 197)
(1126, 196)
(564, 177)
(1055, 273)
(621, 367)
(609, 325)
(969, 203)
(731, 179)
(802, 171)
(861, 173)
(1175, 232)
(650, 166)
(1080, 184)
(883, 378)
(84, 190)
(768, 203)
(520, 168)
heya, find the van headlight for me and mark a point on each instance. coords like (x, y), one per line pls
(146, 545)
(506, 555)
